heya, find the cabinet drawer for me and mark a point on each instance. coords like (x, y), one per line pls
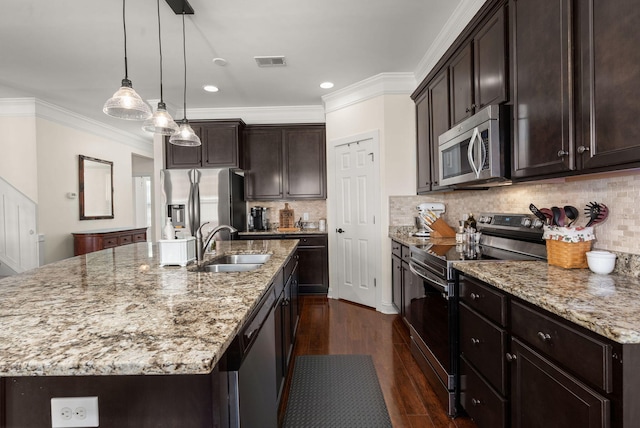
(110, 242)
(125, 239)
(310, 241)
(484, 345)
(487, 301)
(587, 357)
(406, 253)
(482, 403)
(288, 268)
(139, 237)
(396, 249)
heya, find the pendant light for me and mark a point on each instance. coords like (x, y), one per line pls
(185, 135)
(126, 103)
(161, 122)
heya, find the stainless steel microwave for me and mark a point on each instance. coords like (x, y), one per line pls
(476, 151)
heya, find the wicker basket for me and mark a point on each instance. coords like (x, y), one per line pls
(568, 255)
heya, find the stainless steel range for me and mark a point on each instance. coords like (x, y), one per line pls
(431, 299)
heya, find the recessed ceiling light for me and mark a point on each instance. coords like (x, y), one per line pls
(220, 61)
(210, 88)
(326, 85)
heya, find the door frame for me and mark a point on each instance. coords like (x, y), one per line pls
(332, 212)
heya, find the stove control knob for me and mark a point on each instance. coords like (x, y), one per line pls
(526, 222)
(537, 224)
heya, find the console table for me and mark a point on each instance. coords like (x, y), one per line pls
(96, 240)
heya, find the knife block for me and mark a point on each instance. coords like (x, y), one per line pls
(441, 229)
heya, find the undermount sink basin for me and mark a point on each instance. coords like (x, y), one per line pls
(237, 267)
(233, 259)
(236, 263)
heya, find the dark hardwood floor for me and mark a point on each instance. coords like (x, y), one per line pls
(329, 326)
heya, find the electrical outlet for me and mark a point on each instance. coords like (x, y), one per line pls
(74, 412)
(305, 216)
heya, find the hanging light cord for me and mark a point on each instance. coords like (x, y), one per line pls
(160, 45)
(184, 53)
(124, 25)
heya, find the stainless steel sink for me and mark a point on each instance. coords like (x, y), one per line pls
(235, 263)
(233, 259)
(237, 267)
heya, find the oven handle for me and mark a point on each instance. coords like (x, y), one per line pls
(428, 276)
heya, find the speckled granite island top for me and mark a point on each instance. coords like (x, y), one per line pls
(606, 304)
(116, 312)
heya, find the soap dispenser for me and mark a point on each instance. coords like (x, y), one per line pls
(168, 232)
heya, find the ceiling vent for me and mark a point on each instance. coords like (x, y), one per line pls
(270, 61)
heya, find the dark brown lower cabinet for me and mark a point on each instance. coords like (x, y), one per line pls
(544, 395)
(482, 402)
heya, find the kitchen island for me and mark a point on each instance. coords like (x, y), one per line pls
(101, 323)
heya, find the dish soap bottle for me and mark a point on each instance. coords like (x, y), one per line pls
(168, 232)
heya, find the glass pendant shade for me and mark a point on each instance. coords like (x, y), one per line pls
(127, 104)
(185, 136)
(161, 122)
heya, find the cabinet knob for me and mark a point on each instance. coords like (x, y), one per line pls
(511, 357)
(582, 149)
(475, 341)
(545, 337)
(474, 296)
(562, 153)
(475, 402)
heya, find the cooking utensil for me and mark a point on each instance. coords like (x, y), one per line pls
(593, 211)
(558, 216)
(603, 213)
(537, 213)
(548, 214)
(572, 213)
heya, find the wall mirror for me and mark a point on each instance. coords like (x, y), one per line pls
(96, 188)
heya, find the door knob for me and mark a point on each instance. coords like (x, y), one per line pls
(340, 230)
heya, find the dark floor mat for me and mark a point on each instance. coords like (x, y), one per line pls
(334, 391)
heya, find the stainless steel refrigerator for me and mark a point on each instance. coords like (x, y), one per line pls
(196, 196)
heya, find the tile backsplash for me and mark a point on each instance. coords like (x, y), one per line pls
(317, 209)
(619, 191)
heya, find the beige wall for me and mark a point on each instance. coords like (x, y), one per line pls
(18, 165)
(393, 118)
(619, 191)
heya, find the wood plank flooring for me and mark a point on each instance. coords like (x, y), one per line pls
(329, 326)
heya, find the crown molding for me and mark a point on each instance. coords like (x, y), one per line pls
(262, 115)
(33, 107)
(456, 23)
(380, 84)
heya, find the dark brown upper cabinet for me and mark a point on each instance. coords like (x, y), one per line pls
(542, 79)
(285, 162)
(423, 146)
(478, 70)
(221, 146)
(608, 82)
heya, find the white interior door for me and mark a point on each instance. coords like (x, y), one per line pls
(355, 222)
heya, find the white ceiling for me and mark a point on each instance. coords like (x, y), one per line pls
(70, 52)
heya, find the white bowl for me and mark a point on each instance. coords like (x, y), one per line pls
(601, 262)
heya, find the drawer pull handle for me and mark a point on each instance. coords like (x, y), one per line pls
(511, 357)
(475, 341)
(475, 402)
(544, 337)
(474, 296)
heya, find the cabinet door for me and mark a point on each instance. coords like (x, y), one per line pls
(461, 74)
(313, 270)
(294, 302)
(181, 156)
(439, 121)
(543, 135)
(489, 55)
(221, 145)
(545, 396)
(423, 145)
(263, 163)
(396, 284)
(305, 171)
(609, 79)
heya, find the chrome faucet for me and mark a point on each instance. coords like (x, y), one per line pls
(202, 245)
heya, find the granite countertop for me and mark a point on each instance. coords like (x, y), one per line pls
(406, 238)
(605, 304)
(275, 232)
(116, 312)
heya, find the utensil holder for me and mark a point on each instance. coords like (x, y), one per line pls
(568, 255)
(441, 229)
